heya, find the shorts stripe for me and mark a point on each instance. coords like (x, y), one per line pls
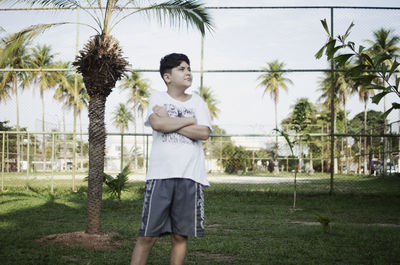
(195, 213)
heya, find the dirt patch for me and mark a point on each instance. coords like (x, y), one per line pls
(81, 239)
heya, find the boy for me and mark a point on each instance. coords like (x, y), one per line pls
(174, 202)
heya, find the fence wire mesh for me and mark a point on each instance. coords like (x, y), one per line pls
(253, 155)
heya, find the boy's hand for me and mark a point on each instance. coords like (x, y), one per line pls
(160, 111)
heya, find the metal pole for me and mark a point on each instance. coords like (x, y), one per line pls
(28, 160)
(75, 106)
(52, 162)
(201, 63)
(122, 152)
(2, 161)
(332, 116)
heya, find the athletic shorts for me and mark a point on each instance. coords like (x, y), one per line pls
(173, 206)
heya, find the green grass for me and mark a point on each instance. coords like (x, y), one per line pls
(245, 224)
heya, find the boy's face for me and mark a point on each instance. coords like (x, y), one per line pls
(180, 76)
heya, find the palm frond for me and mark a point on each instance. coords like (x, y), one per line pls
(44, 3)
(177, 12)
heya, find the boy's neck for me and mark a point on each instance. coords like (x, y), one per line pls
(178, 94)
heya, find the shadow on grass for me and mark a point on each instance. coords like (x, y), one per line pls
(28, 215)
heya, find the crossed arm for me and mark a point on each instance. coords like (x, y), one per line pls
(160, 121)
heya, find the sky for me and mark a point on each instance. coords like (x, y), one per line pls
(243, 39)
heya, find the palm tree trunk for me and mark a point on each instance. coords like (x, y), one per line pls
(384, 140)
(15, 88)
(43, 130)
(81, 136)
(276, 169)
(365, 138)
(65, 141)
(97, 138)
(135, 139)
(346, 150)
(143, 139)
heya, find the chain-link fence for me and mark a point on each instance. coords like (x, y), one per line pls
(360, 149)
(243, 159)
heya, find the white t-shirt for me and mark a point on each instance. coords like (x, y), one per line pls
(174, 155)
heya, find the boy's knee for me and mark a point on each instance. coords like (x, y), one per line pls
(178, 238)
(146, 240)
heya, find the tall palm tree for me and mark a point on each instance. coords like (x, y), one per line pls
(364, 95)
(139, 98)
(15, 54)
(122, 117)
(65, 92)
(42, 57)
(272, 81)
(343, 87)
(102, 64)
(208, 96)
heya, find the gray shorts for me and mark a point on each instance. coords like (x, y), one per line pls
(173, 206)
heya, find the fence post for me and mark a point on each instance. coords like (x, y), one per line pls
(332, 116)
(52, 163)
(2, 161)
(28, 166)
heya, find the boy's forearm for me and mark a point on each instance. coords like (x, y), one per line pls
(170, 124)
(195, 132)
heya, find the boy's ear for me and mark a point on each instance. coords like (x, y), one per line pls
(166, 77)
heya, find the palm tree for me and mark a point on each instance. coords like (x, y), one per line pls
(384, 43)
(122, 117)
(15, 54)
(364, 95)
(272, 81)
(65, 92)
(208, 96)
(43, 58)
(102, 64)
(139, 97)
(342, 89)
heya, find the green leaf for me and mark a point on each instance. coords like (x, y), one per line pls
(379, 59)
(325, 25)
(348, 30)
(355, 71)
(319, 54)
(343, 58)
(395, 64)
(330, 48)
(365, 79)
(377, 98)
(367, 58)
(384, 115)
(377, 87)
(395, 105)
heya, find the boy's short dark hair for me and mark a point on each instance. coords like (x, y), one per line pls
(170, 61)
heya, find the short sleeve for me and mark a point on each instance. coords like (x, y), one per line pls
(202, 114)
(152, 102)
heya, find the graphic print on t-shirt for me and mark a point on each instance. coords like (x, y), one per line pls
(179, 112)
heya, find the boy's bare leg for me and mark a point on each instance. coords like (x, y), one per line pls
(142, 249)
(178, 249)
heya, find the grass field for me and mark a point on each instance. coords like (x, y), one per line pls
(245, 224)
